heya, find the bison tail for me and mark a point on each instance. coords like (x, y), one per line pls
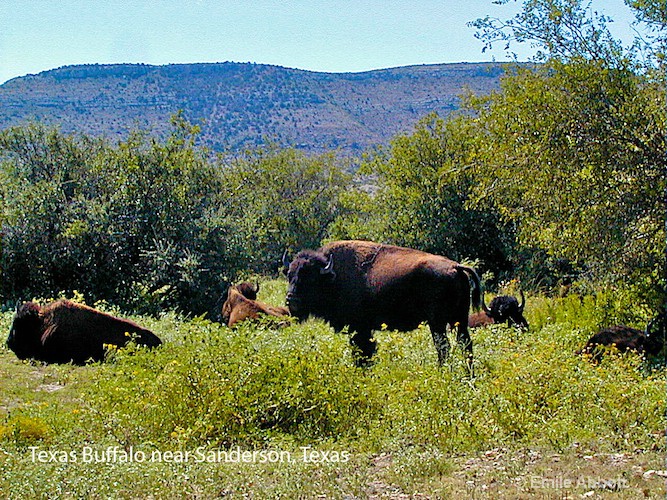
(476, 286)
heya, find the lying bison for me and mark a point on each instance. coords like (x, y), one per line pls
(363, 286)
(650, 341)
(502, 309)
(63, 332)
(239, 305)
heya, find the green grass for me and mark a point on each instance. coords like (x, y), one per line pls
(534, 417)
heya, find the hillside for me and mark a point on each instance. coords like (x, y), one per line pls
(242, 104)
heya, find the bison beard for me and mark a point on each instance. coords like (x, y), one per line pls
(64, 332)
(363, 285)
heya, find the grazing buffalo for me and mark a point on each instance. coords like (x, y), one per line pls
(63, 332)
(503, 309)
(240, 306)
(365, 286)
(650, 341)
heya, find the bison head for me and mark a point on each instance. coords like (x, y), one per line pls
(308, 275)
(25, 333)
(506, 309)
(248, 290)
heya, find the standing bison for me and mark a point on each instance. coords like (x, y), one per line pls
(63, 332)
(502, 309)
(241, 304)
(364, 285)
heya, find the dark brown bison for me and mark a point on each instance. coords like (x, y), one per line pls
(240, 306)
(650, 341)
(248, 290)
(63, 332)
(363, 286)
(502, 309)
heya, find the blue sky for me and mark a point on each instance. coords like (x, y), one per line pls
(318, 35)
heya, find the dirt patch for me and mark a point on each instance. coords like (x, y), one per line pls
(526, 474)
(49, 387)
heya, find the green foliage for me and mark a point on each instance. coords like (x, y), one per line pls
(278, 200)
(558, 176)
(262, 388)
(653, 40)
(574, 154)
(420, 200)
(152, 225)
(559, 29)
(561, 172)
(241, 387)
(80, 214)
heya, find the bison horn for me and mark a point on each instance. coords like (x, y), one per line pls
(484, 306)
(256, 288)
(328, 269)
(286, 260)
(649, 326)
(659, 319)
(523, 301)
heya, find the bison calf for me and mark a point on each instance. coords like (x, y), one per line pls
(650, 341)
(502, 309)
(240, 306)
(63, 332)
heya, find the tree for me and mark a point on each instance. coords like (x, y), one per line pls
(277, 200)
(574, 150)
(42, 176)
(577, 157)
(132, 223)
(652, 14)
(421, 197)
(558, 29)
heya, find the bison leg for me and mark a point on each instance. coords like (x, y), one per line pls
(441, 343)
(464, 340)
(363, 347)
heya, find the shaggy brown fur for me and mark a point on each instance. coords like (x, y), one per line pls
(248, 290)
(650, 341)
(239, 307)
(365, 286)
(63, 332)
(480, 318)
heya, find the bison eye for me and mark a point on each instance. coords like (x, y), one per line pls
(305, 275)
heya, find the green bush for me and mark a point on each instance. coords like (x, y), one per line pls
(257, 384)
(259, 387)
(149, 225)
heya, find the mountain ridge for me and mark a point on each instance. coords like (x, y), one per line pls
(243, 104)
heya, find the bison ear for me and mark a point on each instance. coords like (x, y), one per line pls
(328, 269)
